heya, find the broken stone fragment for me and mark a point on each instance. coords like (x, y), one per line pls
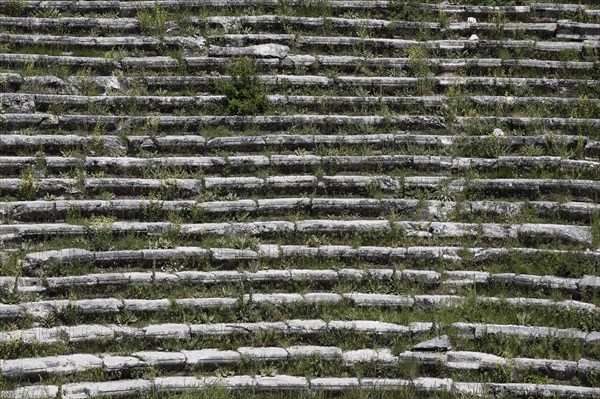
(203, 357)
(260, 50)
(281, 382)
(437, 344)
(150, 63)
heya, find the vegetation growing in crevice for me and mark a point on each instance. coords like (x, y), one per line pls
(246, 94)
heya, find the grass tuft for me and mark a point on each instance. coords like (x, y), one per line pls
(246, 94)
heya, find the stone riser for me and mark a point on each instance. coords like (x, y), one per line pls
(212, 358)
(528, 232)
(324, 277)
(181, 384)
(112, 306)
(58, 210)
(12, 144)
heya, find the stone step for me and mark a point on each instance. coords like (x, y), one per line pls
(437, 210)
(236, 42)
(43, 60)
(42, 102)
(378, 26)
(321, 276)
(527, 122)
(43, 121)
(397, 141)
(280, 49)
(357, 185)
(131, 25)
(131, 7)
(283, 382)
(439, 65)
(30, 103)
(457, 360)
(107, 306)
(460, 10)
(107, 43)
(51, 144)
(384, 85)
(340, 63)
(555, 11)
(62, 143)
(534, 333)
(567, 234)
(306, 328)
(308, 141)
(373, 254)
(577, 30)
(248, 164)
(275, 122)
(98, 64)
(533, 188)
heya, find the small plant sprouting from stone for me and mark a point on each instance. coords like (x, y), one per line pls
(28, 189)
(524, 318)
(171, 267)
(595, 222)
(125, 316)
(246, 94)
(444, 194)
(153, 20)
(100, 229)
(268, 371)
(224, 372)
(152, 210)
(16, 8)
(160, 243)
(417, 57)
(245, 242)
(49, 12)
(419, 66)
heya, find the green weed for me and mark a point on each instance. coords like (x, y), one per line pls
(246, 94)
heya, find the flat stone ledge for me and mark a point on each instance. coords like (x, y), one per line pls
(182, 383)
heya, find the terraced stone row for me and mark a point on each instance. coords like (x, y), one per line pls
(284, 382)
(431, 209)
(415, 330)
(288, 42)
(422, 229)
(580, 190)
(421, 142)
(48, 121)
(262, 45)
(103, 43)
(73, 85)
(290, 62)
(443, 65)
(124, 166)
(463, 10)
(457, 360)
(322, 276)
(562, 28)
(107, 306)
(197, 144)
(369, 253)
(36, 102)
